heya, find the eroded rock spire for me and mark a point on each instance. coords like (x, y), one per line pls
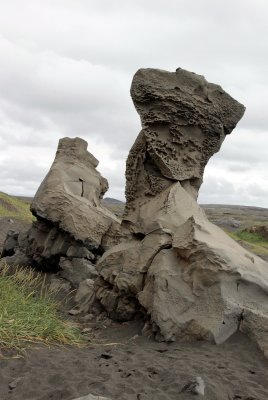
(187, 277)
(184, 122)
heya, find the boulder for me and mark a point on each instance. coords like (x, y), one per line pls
(10, 244)
(84, 297)
(187, 277)
(72, 227)
(70, 195)
(76, 270)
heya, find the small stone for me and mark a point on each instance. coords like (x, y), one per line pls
(102, 317)
(134, 337)
(196, 386)
(87, 330)
(74, 311)
(12, 385)
(88, 317)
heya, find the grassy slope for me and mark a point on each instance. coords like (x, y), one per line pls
(13, 207)
(254, 242)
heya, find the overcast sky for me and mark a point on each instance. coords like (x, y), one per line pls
(66, 68)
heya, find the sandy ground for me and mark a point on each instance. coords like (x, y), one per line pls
(121, 364)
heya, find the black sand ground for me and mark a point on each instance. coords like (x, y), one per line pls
(121, 364)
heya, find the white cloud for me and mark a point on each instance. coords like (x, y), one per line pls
(66, 69)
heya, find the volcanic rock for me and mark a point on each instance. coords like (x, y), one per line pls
(72, 228)
(76, 270)
(183, 273)
(70, 195)
(185, 120)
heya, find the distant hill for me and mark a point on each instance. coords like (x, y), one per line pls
(110, 200)
(14, 207)
(25, 199)
(234, 216)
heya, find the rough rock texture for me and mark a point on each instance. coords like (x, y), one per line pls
(185, 274)
(92, 397)
(72, 228)
(70, 195)
(185, 120)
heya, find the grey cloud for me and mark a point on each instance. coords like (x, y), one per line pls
(243, 148)
(66, 68)
(222, 191)
(76, 98)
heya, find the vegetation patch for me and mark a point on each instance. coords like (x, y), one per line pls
(251, 237)
(15, 208)
(256, 243)
(28, 313)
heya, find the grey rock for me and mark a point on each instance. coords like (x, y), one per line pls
(10, 244)
(191, 279)
(184, 122)
(195, 386)
(84, 298)
(76, 270)
(71, 222)
(57, 285)
(88, 318)
(19, 259)
(12, 385)
(70, 195)
(79, 252)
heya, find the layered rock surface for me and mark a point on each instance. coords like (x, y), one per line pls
(71, 192)
(72, 228)
(185, 274)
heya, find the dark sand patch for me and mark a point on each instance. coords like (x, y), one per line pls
(137, 368)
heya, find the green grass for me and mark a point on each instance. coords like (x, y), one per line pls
(257, 244)
(251, 237)
(28, 313)
(14, 208)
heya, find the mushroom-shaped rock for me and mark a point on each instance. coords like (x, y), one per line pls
(184, 273)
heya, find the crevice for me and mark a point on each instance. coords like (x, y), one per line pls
(47, 265)
(150, 261)
(139, 235)
(240, 319)
(82, 192)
